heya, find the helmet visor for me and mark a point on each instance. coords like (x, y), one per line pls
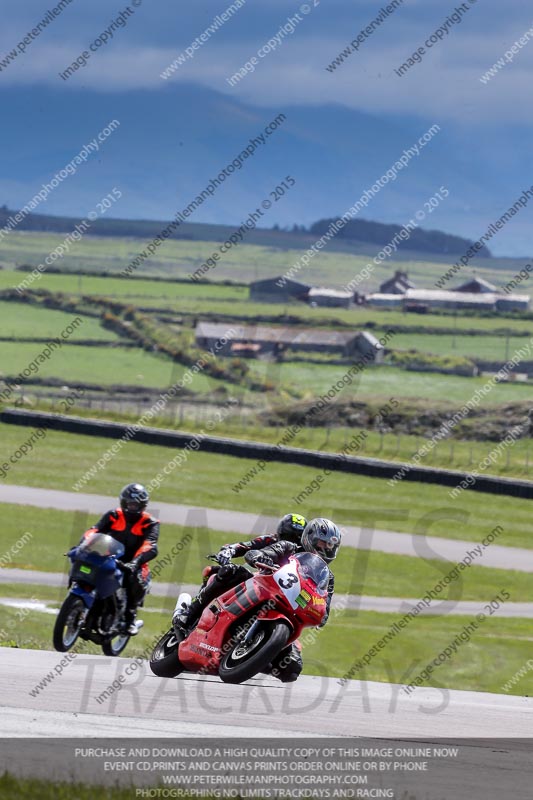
(131, 506)
(327, 549)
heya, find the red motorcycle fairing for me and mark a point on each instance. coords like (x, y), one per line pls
(210, 641)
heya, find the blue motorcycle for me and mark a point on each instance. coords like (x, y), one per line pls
(96, 604)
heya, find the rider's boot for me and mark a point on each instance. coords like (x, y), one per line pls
(131, 623)
(185, 618)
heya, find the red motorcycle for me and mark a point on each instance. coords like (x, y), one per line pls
(244, 629)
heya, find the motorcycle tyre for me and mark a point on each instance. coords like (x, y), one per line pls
(237, 672)
(110, 649)
(69, 605)
(169, 665)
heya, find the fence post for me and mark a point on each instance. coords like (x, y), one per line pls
(398, 438)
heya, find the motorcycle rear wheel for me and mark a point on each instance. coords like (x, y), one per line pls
(246, 660)
(68, 623)
(164, 661)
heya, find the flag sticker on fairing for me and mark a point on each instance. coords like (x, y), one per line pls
(303, 599)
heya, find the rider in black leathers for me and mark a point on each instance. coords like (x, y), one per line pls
(138, 531)
(322, 537)
(276, 549)
(227, 574)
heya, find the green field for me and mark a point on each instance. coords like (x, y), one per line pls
(117, 365)
(489, 348)
(193, 298)
(452, 453)
(456, 454)
(382, 381)
(133, 366)
(181, 257)
(62, 459)
(13, 788)
(20, 320)
(138, 290)
(356, 572)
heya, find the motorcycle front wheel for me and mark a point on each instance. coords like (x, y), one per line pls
(164, 661)
(68, 623)
(248, 658)
(114, 647)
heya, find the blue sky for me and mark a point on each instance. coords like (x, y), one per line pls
(486, 127)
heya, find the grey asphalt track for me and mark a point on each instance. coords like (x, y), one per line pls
(71, 704)
(191, 705)
(238, 522)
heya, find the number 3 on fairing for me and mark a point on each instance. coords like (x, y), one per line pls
(289, 583)
(291, 579)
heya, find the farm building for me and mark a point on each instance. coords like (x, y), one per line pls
(512, 302)
(398, 284)
(278, 290)
(441, 298)
(503, 302)
(426, 299)
(260, 340)
(382, 300)
(476, 286)
(333, 298)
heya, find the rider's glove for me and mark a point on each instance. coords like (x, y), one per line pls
(225, 555)
(131, 567)
(226, 571)
(253, 557)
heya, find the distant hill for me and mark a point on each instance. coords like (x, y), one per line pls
(420, 239)
(161, 159)
(357, 235)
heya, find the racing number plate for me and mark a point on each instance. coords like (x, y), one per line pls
(289, 583)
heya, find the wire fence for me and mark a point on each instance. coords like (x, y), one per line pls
(244, 421)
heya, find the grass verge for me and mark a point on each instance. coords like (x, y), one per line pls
(208, 480)
(362, 572)
(12, 788)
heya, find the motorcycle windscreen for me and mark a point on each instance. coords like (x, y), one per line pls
(91, 565)
(101, 544)
(315, 569)
(303, 570)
